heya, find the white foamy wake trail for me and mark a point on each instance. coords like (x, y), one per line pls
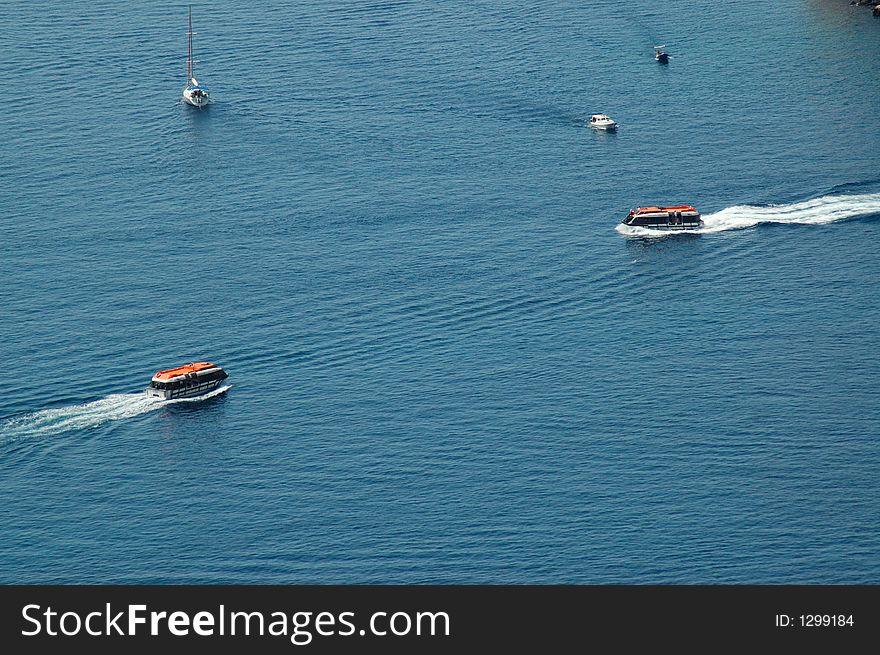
(816, 211)
(115, 407)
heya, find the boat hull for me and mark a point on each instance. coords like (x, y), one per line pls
(195, 100)
(667, 227)
(192, 391)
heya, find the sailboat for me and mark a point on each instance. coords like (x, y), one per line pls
(193, 93)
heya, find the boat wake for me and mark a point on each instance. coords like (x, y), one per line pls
(115, 407)
(816, 211)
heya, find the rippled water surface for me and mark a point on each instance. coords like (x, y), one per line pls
(447, 361)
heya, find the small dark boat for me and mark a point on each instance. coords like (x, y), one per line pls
(660, 54)
(679, 217)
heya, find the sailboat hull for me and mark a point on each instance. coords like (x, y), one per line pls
(194, 100)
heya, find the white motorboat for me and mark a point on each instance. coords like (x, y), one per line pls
(602, 122)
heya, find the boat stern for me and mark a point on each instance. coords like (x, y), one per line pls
(196, 96)
(160, 394)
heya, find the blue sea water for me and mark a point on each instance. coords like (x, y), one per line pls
(394, 231)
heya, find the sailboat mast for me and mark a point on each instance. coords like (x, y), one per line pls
(189, 53)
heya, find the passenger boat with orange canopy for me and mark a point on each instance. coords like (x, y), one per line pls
(679, 217)
(186, 381)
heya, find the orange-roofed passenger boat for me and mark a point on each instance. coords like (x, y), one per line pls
(680, 217)
(186, 381)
